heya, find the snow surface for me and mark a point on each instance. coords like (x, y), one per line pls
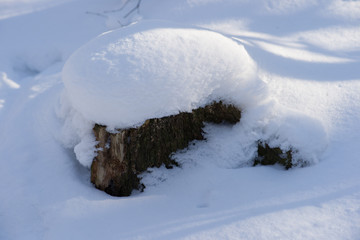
(307, 53)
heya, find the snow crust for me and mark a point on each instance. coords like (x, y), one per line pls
(154, 69)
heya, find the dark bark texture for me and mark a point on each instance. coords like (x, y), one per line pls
(129, 152)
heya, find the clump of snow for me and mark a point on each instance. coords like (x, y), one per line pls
(76, 132)
(296, 131)
(155, 69)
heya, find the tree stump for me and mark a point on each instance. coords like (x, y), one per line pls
(129, 152)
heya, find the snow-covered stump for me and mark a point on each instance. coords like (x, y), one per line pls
(125, 154)
(145, 81)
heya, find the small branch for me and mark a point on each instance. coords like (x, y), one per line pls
(119, 9)
(137, 7)
(119, 22)
(97, 14)
(105, 13)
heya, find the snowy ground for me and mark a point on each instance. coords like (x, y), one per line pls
(308, 52)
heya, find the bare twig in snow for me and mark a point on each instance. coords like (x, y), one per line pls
(119, 9)
(97, 14)
(137, 7)
(105, 13)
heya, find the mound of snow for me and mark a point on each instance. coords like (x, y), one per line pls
(155, 69)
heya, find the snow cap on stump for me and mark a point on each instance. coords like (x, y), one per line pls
(153, 69)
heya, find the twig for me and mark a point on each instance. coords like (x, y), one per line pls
(119, 9)
(135, 8)
(97, 14)
(104, 13)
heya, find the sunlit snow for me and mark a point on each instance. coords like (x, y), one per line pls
(307, 55)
